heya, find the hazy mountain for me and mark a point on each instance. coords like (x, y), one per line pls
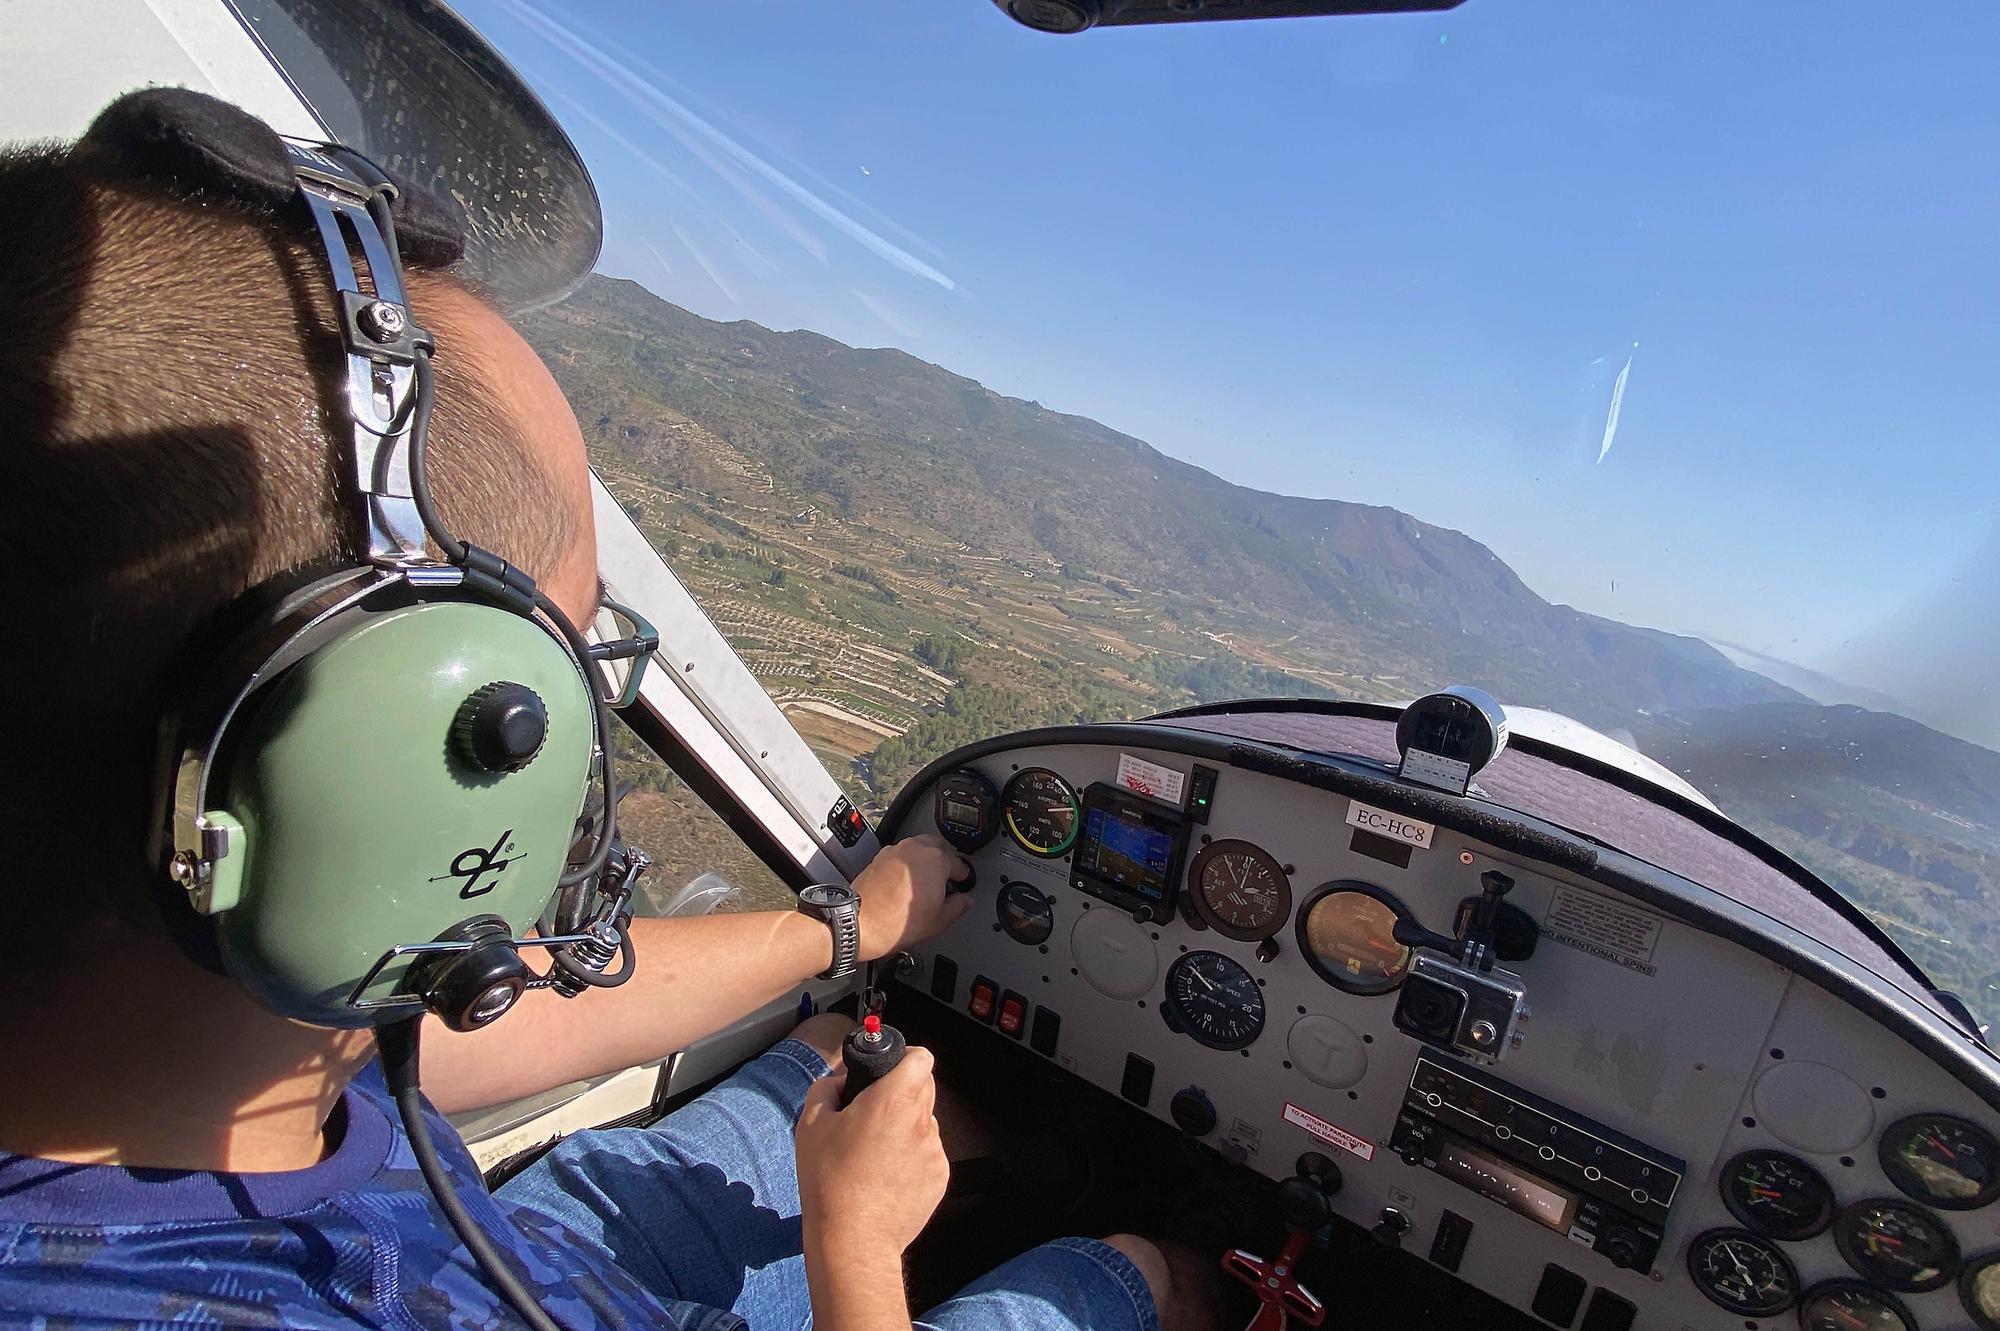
(1903, 818)
(887, 438)
(1814, 684)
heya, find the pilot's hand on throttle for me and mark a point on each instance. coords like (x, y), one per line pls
(904, 900)
(871, 1174)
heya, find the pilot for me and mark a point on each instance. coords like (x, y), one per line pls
(172, 1152)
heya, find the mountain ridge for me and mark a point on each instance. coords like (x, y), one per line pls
(868, 428)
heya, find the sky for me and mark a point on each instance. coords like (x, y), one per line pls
(1690, 311)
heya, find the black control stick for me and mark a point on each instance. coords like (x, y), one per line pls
(869, 1051)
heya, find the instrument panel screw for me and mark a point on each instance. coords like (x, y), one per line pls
(382, 320)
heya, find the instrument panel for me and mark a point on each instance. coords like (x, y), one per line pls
(1688, 1134)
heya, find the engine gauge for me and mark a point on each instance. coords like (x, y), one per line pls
(1347, 932)
(966, 809)
(1896, 1245)
(1849, 1305)
(1779, 1196)
(1026, 913)
(1979, 1290)
(1041, 812)
(1239, 891)
(1743, 1273)
(1214, 1001)
(1941, 1160)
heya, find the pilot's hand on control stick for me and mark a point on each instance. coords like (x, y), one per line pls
(871, 1174)
(903, 895)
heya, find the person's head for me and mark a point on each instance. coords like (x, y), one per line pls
(168, 382)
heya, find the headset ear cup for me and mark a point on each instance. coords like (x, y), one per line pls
(253, 639)
(370, 826)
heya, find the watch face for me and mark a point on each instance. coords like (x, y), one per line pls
(828, 895)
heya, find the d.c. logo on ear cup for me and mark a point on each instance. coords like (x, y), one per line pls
(474, 863)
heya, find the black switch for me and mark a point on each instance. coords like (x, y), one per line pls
(1043, 1034)
(1201, 793)
(1608, 1312)
(1559, 1295)
(845, 822)
(944, 979)
(1448, 1244)
(1137, 1083)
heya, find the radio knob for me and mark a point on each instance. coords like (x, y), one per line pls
(1193, 1112)
(1621, 1249)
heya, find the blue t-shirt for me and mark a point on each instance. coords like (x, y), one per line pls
(354, 1240)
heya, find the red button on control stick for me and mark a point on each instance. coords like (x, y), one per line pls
(1011, 1013)
(981, 1003)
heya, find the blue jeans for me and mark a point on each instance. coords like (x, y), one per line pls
(703, 1209)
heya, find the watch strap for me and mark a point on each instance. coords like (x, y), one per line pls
(844, 922)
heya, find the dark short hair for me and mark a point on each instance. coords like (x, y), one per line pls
(169, 372)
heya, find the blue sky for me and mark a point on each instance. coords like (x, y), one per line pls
(1398, 260)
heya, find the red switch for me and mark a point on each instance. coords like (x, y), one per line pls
(985, 996)
(1013, 1011)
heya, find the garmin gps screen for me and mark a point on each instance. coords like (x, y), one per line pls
(1125, 851)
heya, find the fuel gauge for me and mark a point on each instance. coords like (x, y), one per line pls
(1896, 1245)
(1979, 1290)
(1941, 1160)
(1849, 1305)
(1779, 1196)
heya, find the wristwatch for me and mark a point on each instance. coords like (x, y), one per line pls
(839, 908)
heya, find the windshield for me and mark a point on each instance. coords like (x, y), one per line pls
(1634, 362)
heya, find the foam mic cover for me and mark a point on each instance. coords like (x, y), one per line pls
(192, 145)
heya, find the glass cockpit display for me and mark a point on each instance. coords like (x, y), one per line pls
(1128, 851)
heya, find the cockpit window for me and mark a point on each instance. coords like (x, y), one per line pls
(1631, 362)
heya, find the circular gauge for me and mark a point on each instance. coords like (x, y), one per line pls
(1347, 932)
(1041, 813)
(1896, 1245)
(1026, 913)
(1239, 891)
(1941, 1160)
(1979, 1290)
(1743, 1273)
(966, 809)
(1849, 1305)
(1214, 1001)
(1778, 1195)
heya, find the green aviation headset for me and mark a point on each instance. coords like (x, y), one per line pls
(374, 793)
(386, 779)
